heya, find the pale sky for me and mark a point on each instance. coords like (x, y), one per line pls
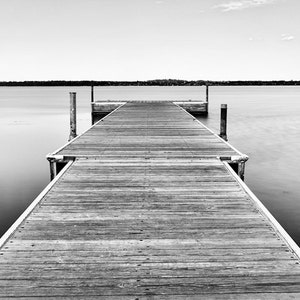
(149, 39)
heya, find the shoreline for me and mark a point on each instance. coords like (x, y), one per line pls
(156, 82)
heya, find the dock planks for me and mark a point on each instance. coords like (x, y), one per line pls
(157, 221)
(154, 129)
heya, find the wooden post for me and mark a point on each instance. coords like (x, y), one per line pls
(223, 122)
(92, 93)
(241, 170)
(206, 99)
(52, 169)
(207, 93)
(92, 103)
(72, 116)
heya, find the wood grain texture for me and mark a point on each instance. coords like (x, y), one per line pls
(155, 129)
(143, 224)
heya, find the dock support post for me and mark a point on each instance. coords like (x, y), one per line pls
(207, 93)
(238, 164)
(52, 169)
(223, 122)
(92, 93)
(207, 96)
(241, 170)
(92, 104)
(72, 116)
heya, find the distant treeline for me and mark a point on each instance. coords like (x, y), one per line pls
(159, 82)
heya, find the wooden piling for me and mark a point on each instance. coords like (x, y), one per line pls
(223, 122)
(241, 170)
(52, 169)
(92, 93)
(207, 93)
(72, 116)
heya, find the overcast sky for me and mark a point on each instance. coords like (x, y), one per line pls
(149, 39)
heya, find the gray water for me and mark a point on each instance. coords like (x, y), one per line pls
(263, 122)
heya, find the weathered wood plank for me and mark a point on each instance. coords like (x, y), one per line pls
(151, 213)
(158, 128)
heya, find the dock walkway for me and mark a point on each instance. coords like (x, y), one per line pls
(138, 129)
(148, 207)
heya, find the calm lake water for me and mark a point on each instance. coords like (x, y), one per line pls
(263, 122)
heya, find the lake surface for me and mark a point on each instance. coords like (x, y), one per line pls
(263, 122)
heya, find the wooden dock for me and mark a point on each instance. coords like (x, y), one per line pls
(148, 129)
(148, 207)
(100, 109)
